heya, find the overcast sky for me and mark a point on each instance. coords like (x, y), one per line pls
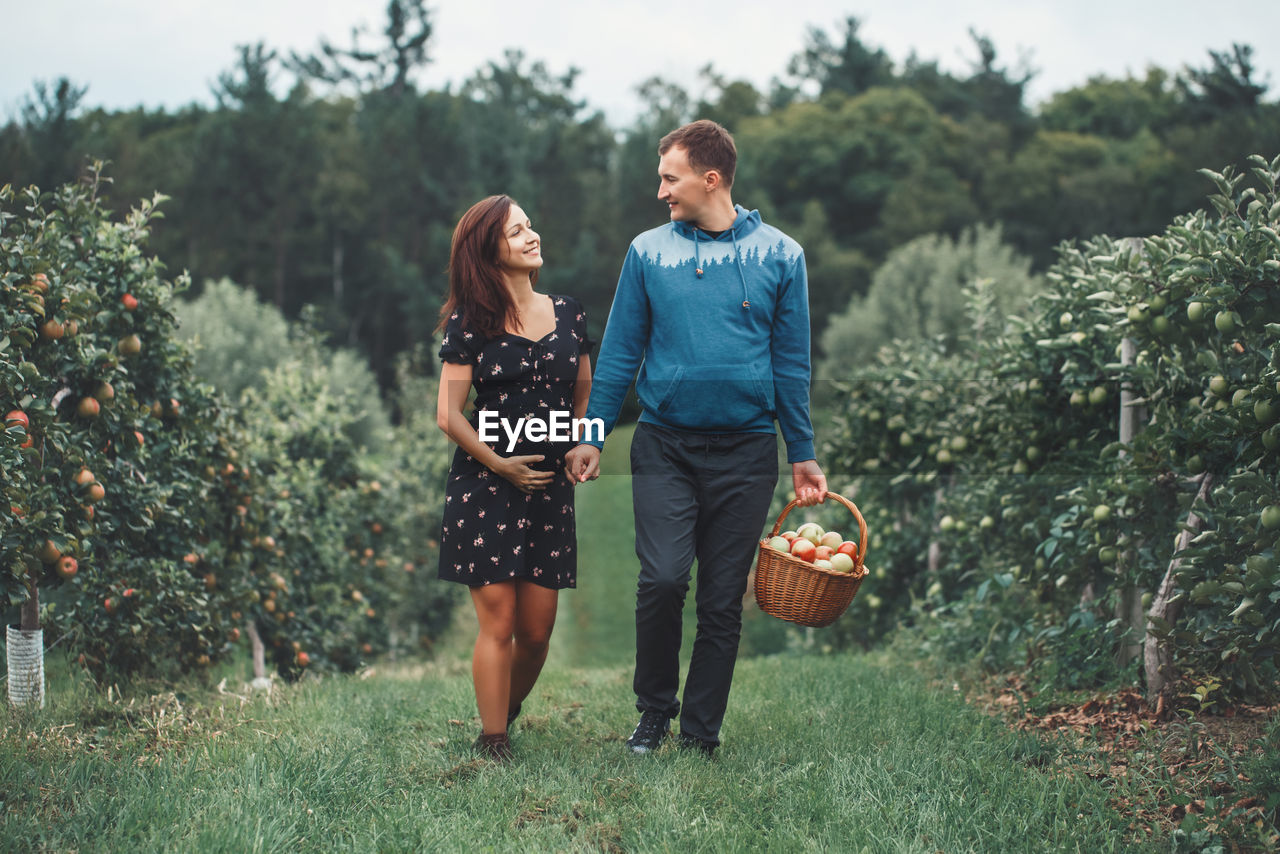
(168, 53)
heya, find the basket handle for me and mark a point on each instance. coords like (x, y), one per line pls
(863, 540)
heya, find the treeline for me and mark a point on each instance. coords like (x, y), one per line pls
(342, 194)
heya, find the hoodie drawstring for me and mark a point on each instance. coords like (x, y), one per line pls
(737, 260)
(742, 276)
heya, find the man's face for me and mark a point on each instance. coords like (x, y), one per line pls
(683, 189)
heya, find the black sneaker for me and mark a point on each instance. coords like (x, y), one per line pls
(690, 742)
(649, 733)
(496, 747)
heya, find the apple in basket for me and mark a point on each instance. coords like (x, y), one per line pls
(811, 531)
(803, 549)
(848, 547)
(831, 539)
(823, 553)
(841, 562)
(788, 535)
(822, 564)
(779, 544)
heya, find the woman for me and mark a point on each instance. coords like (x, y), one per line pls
(508, 531)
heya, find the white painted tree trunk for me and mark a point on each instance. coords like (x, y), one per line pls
(1157, 657)
(1129, 605)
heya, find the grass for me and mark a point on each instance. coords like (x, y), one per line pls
(821, 753)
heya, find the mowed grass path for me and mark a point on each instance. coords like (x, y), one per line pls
(821, 753)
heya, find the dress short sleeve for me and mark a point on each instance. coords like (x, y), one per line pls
(460, 345)
(585, 344)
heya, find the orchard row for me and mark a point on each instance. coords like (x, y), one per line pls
(149, 522)
(1101, 479)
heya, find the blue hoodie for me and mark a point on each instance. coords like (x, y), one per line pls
(718, 329)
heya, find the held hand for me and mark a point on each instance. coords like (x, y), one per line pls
(516, 470)
(809, 482)
(582, 464)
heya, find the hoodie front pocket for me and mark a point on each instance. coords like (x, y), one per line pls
(715, 397)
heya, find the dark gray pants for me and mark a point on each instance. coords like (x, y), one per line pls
(703, 496)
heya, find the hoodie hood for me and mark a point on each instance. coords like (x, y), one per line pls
(744, 224)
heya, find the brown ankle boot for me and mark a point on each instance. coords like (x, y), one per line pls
(495, 746)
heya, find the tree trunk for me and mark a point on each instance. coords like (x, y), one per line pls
(338, 286)
(279, 271)
(1129, 604)
(29, 618)
(1157, 657)
(259, 651)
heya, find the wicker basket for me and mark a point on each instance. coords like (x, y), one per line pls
(793, 589)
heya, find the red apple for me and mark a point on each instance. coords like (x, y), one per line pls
(788, 535)
(823, 553)
(67, 566)
(848, 547)
(129, 301)
(49, 553)
(803, 549)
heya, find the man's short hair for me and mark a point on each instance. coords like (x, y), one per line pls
(708, 145)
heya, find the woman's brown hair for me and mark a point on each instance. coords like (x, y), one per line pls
(476, 287)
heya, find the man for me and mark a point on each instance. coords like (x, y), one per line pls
(712, 312)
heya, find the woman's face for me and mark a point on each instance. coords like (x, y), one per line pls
(520, 250)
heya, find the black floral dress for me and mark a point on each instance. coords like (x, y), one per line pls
(492, 531)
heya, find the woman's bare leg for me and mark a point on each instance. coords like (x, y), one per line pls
(491, 662)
